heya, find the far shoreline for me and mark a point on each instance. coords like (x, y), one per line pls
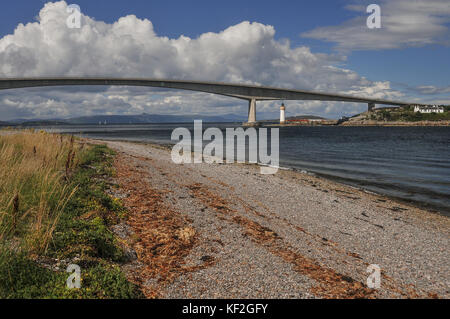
(399, 124)
(261, 123)
(371, 124)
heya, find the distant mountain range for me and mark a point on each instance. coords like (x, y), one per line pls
(153, 118)
(141, 119)
(128, 119)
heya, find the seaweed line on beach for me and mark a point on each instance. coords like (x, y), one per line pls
(162, 237)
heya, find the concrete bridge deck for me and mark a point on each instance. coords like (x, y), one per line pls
(250, 93)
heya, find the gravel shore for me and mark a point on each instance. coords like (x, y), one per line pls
(288, 235)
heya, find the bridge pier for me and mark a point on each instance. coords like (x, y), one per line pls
(371, 107)
(251, 113)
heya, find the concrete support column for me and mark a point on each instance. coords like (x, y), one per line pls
(371, 106)
(252, 111)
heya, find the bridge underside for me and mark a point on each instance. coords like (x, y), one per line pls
(247, 92)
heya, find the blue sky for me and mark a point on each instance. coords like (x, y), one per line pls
(192, 18)
(418, 69)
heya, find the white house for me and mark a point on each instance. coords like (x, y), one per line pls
(429, 109)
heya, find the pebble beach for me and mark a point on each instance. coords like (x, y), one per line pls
(226, 231)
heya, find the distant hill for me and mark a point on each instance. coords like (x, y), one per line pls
(23, 121)
(152, 118)
(43, 122)
(4, 123)
(399, 116)
(132, 119)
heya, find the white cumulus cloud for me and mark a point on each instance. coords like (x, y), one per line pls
(243, 53)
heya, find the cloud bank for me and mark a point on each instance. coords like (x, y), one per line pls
(404, 23)
(431, 89)
(243, 53)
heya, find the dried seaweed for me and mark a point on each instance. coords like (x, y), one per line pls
(162, 236)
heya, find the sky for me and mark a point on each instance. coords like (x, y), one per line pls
(311, 45)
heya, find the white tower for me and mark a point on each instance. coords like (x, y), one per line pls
(282, 114)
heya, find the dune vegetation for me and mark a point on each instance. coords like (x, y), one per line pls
(34, 170)
(54, 211)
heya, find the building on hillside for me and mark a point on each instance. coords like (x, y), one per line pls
(428, 109)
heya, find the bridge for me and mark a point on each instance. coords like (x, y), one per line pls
(251, 93)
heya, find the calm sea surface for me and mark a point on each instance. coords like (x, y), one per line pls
(411, 163)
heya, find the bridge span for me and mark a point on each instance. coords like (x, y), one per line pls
(251, 93)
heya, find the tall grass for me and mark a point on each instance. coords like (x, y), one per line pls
(35, 170)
